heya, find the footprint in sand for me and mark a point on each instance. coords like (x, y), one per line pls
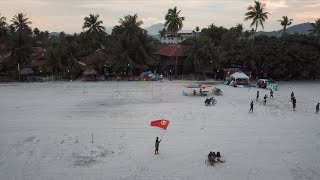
(30, 139)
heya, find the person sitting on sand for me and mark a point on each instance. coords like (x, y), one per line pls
(211, 157)
(218, 158)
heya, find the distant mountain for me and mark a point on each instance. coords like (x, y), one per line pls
(299, 29)
(54, 34)
(109, 30)
(154, 29)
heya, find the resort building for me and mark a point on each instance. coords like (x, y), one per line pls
(182, 35)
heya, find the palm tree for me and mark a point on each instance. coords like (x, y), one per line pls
(93, 26)
(144, 48)
(257, 15)
(122, 51)
(316, 29)
(3, 26)
(202, 51)
(162, 32)
(239, 28)
(285, 22)
(20, 22)
(54, 64)
(197, 29)
(130, 23)
(130, 45)
(173, 21)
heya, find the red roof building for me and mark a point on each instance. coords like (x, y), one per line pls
(171, 57)
(38, 59)
(172, 51)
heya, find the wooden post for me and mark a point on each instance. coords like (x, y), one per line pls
(152, 90)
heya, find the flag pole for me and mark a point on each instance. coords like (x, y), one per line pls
(162, 134)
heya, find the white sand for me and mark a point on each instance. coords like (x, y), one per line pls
(40, 124)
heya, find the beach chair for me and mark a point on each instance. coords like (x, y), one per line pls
(217, 91)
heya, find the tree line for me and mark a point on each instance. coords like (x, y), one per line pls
(291, 56)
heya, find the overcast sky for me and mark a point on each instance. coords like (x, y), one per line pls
(67, 15)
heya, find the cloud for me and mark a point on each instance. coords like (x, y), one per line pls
(312, 5)
(273, 5)
(67, 15)
(26, 3)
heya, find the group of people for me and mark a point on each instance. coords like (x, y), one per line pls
(293, 100)
(213, 157)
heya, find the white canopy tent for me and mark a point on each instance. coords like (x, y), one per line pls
(239, 78)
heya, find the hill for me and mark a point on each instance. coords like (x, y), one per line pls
(154, 29)
(299, 29)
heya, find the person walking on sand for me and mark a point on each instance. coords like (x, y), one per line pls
(156, 151)
(257, 95)
(271, 94)
(251, 107)
(292, 95)
(317, 108)
(294, 101)
(265, 99)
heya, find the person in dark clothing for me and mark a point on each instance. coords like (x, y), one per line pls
(211, 157)
(294, 101)
(251, 107)
(265, 99)
(210, 154)
(317, 108)
(156, 151)
(271, 94)
(292, 95)
(257, 95)
(218, 158)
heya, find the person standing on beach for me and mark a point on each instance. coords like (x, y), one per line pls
(271, 94)
(317, 108)
(294, 101)
(251, 107)
(265, 99)
(292, 95)
(157, 143)
(257, 95)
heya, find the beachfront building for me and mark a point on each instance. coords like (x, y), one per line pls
(38, 60)
(170, 57)
(182, 35)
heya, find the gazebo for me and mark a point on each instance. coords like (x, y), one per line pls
(90, 75)
(239, 78)
(26, 72)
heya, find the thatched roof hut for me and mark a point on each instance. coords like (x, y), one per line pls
(26, 71)
(90, 72)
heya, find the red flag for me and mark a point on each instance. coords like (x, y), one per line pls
(162, 123)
